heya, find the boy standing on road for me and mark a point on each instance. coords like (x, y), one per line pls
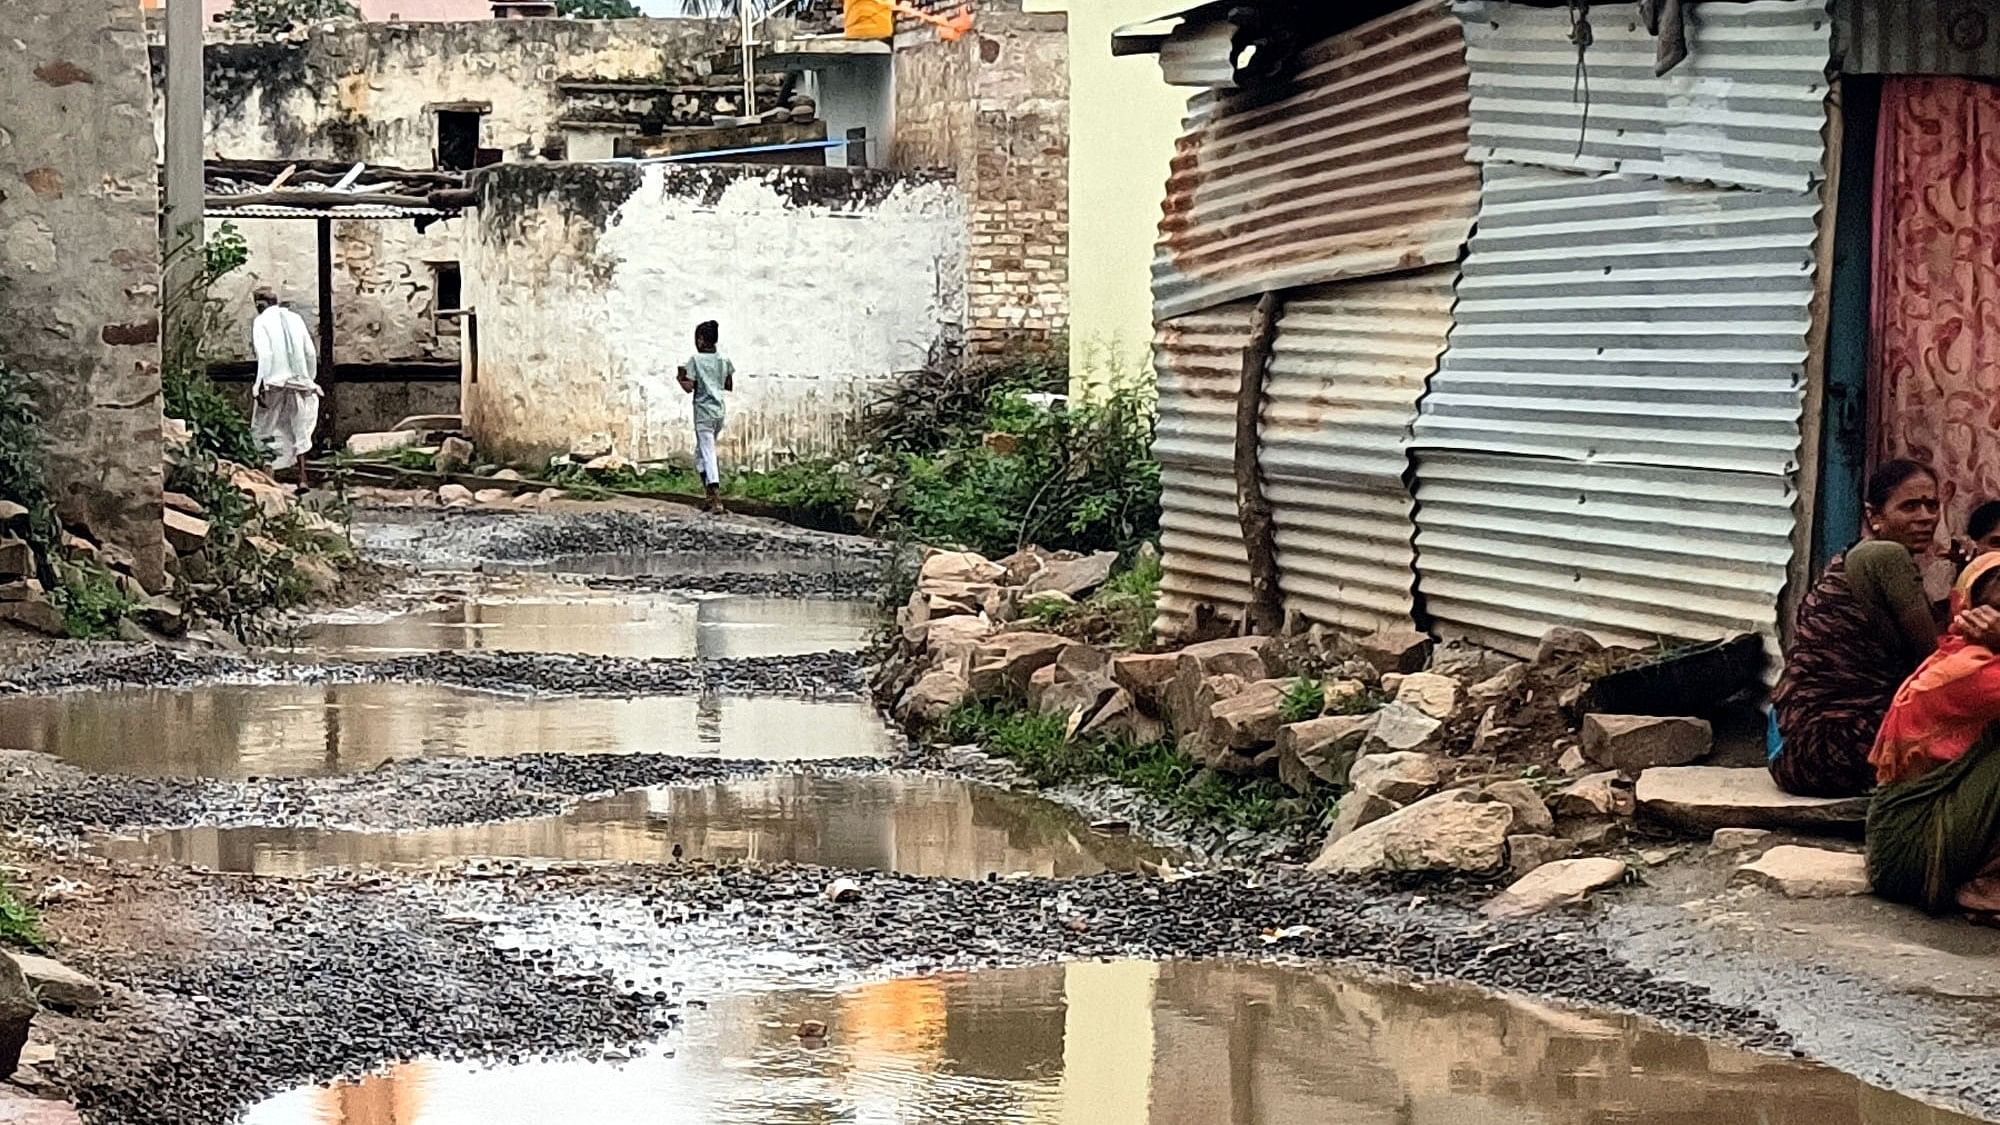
(707, 376)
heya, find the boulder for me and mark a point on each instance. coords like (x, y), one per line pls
(1451, 831)
(162, 615)
(1356, 809)
(952, 641)
(1594, 833)
(1555, 884)
(1632, 744)
(186, 534)
(958, 567)
(271, 498)
(1340, 695)
(1395, 650)
(17, 1011)
(36, 614)
(1799, 872)
(507, 474)
(1082, 661)
(454, 455)
(1039, 682)
(1531, 816)
(58, 985)
(1121, 719)
(1078, 698)
(1738, 839)
(1075, 577)
(21, 590)
(1429, 693)
(182, 502)
(371, 444)
(12, 514)
(609, 463)
(1562, 645)
(1597, 794)
(493, 496)
(76, 546)
(16, 558)
(1705, 798)
(1527, 852)
(1145, 675)
(319, 574)
(1504, 685)
(1572, 762)
(1401, 728)
(1235, 763)
(935, 694)
(1401, 778)
(1320, 751)
(1238, 656)
(454, 496)
(1249, 719)
(589, 447)
(1002, 663)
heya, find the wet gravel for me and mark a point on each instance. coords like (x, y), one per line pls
(465, 539)
(560, 674)
(845, 584)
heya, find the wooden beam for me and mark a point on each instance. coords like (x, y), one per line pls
(327, 375)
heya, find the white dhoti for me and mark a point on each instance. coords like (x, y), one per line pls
(286, 408)
(704, 455)
(283, 420)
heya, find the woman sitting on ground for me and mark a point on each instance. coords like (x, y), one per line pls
(1934, 826)
(1861, 630)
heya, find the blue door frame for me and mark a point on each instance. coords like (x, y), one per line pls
(1844, 432)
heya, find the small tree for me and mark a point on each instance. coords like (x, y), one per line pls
(598, 9)
(277, 16)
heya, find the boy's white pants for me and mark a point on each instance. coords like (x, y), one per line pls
(704, 456)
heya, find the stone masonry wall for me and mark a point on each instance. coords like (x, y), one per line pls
(80, 260)
(994, 108)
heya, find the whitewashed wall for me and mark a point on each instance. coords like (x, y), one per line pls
(588, 280)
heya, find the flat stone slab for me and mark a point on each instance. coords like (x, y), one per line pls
(1799, 872)
(58, 985)
(1555, 884)
(1705, 798)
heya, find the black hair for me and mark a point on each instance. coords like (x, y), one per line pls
(708, 330)
(1984, 586)
(1890, 476)
(1984, 519)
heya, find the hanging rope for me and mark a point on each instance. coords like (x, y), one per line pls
(1580, 33)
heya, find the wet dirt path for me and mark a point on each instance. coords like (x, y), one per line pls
(597, 800)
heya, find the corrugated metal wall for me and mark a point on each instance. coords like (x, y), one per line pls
(1361, 171)
(1919, 37)
(1350, 363)
(1200, 364)
(1744, 109)
(1611, 438)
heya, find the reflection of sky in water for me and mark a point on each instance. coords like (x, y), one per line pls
(1131, 1043)
(597, 624)
(917, 825)
(302, 729)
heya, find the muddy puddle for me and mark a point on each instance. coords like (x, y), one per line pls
(909, 824)
(293, 730)
(1129, 1043)
(588, 623)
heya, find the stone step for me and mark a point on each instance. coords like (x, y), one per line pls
(1705, 798)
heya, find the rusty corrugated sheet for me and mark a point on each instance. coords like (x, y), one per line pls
(1745, 108)
(1360, 171)
(1350, 363)
(1200, 364)
(1959, 38)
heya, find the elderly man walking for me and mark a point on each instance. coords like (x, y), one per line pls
(287, 392)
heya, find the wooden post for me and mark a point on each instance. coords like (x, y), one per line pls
(325, 375)
(184, 298)
(1253, 509)
(1812, 415)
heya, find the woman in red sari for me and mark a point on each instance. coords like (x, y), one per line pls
(1934, 826)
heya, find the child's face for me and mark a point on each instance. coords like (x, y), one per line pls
(1988, 543)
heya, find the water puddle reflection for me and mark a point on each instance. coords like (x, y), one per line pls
(292, 730)
(600, 624)
(914, 825)
(1132, 1043)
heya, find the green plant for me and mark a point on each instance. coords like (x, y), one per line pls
(1304, 699)
(217, 426)
(22, 478)
(597, 9)
(274, 16)
(91, 600)
(19, 924)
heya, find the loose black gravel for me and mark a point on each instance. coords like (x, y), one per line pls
(455, 539)
(845, 584)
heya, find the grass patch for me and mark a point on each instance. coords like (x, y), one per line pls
(817, 493)
(1304, 699)
(19, 924)
(91, 600)
(1036, 744)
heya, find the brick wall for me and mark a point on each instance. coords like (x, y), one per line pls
(994, 108)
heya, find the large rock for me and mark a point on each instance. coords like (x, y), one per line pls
(1429, 693)
(1562, 645)
(271, 498)
(1077, 698)
(1121, 719)
(454, 496)
(162, 615)
(1632, 744)
(13, 515)
(1249, 719)
(1597, 794)
(1320, 751)
(1082, 661)
(16, 558)
(953, 640)
(1739, 839)
(454, 455)
(1395, 650)
(1400, 778)
(1555, 884)
(1504, 685)
(1800, 872)
(22, 590)
(1237, 656)
(491, 496)
(935, 694)
(36, 614)
(1527, 852)
(1074, 577)
(1003, 662)
(1356, 809)
(58, 985)
(367, 445)
(1145, 675)
(1400, 728)
(960, 567)
(1452, 831)
(1531, 816)
(1705, 798)
(182, 502)
(589, 447)
(17, 1011)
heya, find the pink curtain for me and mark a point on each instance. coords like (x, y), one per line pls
(1936, 330)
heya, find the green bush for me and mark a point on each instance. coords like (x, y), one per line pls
(218, 427)
(22, 473)
(91, 600)
(597, 9)
(19, 924)
(277, 16)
